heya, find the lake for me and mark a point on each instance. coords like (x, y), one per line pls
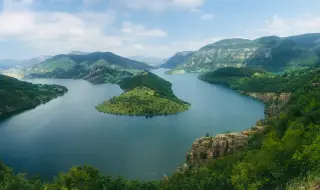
(68, 130)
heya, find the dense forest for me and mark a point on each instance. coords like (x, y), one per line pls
(258, 80)
(16, 95)
(146, 94)
(285, 156)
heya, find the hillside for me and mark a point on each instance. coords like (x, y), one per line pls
(177, 59)
(16, 96)
(257, 80)
(98, 67)
(272, 53)
(146, 94)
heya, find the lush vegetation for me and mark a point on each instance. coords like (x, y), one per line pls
(257, 80)
(280, 158)
(146, 94)
(284, 156)
(16, 96)
(271, 53)
(97, 67)
(142, 101)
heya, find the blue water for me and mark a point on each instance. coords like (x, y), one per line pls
(69, 131)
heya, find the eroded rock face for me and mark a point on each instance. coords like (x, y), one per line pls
(207, 148)
(215, 57)
(210, 148)
(274, 101)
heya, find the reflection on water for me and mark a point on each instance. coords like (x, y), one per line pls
(69, 131)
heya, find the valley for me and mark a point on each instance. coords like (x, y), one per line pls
(240, 114)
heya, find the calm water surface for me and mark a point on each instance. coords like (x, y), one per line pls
(69, 131)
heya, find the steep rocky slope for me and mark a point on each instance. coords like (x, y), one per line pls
(178, 59)
(271, 53)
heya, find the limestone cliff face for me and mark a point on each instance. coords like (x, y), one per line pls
(274, 101)
(271, 53)
(219, 55)
(208, 148)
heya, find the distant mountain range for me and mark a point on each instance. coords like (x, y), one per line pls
(97, 67)
(271, 53)
(16, 63)
(177, 59)
(153, 61)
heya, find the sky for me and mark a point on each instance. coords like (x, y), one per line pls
(151, 28)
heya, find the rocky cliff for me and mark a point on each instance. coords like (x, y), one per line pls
(274, 102)
(208, 148)
(177, 59)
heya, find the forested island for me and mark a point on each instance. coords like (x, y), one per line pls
(17, 96)
(146, 94)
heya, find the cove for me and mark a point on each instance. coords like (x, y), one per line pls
(69, 131)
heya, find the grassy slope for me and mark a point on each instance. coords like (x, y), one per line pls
(17, 95)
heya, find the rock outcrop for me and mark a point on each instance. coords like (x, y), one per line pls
(205, 149)
(274, 101)
(208, 148)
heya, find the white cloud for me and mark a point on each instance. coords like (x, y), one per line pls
(305, 23)
(140, 30)
(59, 32)
(207, 16)
(167, 50)
(160, 5)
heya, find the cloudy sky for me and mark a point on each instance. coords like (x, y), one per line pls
(158, 28)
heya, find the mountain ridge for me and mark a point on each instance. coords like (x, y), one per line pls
(272, 53)
(96, 67)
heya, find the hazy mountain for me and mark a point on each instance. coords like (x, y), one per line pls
(17, 63)
(153, 61)
(177, 59)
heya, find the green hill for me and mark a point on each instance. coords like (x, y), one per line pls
(16, 96)
(271, 53)
(145, 94)
(105, 66)
(257, 80)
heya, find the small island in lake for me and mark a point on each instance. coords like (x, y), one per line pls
(146, 94)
